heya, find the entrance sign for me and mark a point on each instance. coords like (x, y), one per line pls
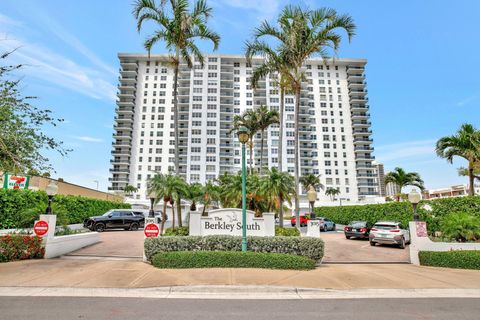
(40, 228)
(229, 222)
(11, 181)
(151, 230)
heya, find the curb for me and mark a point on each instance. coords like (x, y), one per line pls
(237, 292)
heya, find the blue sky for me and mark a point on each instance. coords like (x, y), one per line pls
(423, 72)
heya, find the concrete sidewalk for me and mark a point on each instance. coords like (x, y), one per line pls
(96, 273)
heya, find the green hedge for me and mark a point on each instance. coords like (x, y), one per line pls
(19, 247)
(20, 208)
(402, 211)
(459, 259)
(231, 259)
(286, 232)
(178, 231)
(312, 248)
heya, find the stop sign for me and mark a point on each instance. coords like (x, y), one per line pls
(151, 230)
(40, 228)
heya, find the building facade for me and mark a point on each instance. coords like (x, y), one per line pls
(380, 172)
(449, 192)
(334, 126)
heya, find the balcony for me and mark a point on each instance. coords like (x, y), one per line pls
(357, 77)
(361, 123)
(358, 99)
(355, 69)
(359, 107)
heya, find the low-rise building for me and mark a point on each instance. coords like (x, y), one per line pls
(449, 192)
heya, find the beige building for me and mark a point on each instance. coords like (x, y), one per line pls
(453, 191)
(66, 188)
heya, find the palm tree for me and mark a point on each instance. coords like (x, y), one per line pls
(462, 171)
(129, 189)
(158, 185)
(210, 194)
(401, 178)
(332, 192)
(466, 144)
(277, 187)
(265, 119)
(195, 193)
(311, 180)
(179, 29)
(249, 120)
(302, 34)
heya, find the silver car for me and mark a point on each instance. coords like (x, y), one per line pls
(389, 232)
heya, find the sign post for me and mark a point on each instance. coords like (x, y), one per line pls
(150, 230)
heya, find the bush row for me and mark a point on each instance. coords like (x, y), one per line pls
(284, 232)
(312, 248)
(18, 247)
(459, 259)
(20, 208)
(402, 211)
(230, 259)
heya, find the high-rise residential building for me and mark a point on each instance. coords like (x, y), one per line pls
(392, 190)
(380, 174)
(334, 126)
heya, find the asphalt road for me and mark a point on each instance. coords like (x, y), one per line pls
(41, 308)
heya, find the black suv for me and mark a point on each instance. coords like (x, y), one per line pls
(116, 219)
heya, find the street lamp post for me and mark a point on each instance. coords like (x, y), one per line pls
(51, 191)
(151, 213)
(243, 138)
(312, 197)
(414, 197)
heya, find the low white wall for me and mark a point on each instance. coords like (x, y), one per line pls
(423, 243)
(58, 246)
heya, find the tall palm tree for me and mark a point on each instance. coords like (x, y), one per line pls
(476, 171)
(210, 194)
(278, 187)
(332, 192)
(129, 189)
(249, 120)
(265, 119)
(179, 28)
(466, 144)
(401, 178)
(311, 180)
(302, 34)
(195, 193)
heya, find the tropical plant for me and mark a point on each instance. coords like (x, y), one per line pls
(129, 189)
(300, 35)
(179, 28)
(311, 180)
(277, 187)
(461, 227)
(249, 120)
(332, 192)
(194, 194)
(401, 178)
(462, 171)
(210, 195)
(466, 144)
(265, 118)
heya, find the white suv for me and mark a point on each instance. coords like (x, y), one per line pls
(389, 232)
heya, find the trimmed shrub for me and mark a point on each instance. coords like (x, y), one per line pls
(19, 247)
(459, 259)
(286, 232)
(460, 226)
(178, 231)
(402, 211)
(19, 208)
(231, 259)
(312, 248)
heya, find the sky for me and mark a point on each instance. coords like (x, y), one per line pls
(423, 71)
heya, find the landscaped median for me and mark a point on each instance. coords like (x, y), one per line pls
(284, 252)
(459, 259)
(20, 247)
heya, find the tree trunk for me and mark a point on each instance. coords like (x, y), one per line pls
(175, 111)
(164, 217)
(471, 178)
(297, 166)
(179, 212)
(280, 138)
(261, 152)
(280, 211)
(251, 154)
(173, 214)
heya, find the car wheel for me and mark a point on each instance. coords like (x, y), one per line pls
(134, 226)
(334, 227)
(348, 237)
(99, 227)
(372, 243)
(402, 243)
(325, 228)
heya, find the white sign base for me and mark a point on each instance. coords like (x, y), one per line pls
(313, 228)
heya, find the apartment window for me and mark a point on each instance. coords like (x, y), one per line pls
(212, 59)
(195, 167)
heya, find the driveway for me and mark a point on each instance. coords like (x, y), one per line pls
(340, 250)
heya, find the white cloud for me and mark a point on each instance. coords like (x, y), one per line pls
(89, 139)
(7, 21)
(466, 101)
(406, 150)
(52, 67)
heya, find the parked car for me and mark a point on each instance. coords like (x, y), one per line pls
(357, 229)
(326, 224)
(389, 232)
(303, 221)
(116, 219)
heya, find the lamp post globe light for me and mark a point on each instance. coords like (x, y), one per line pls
(243, 137)
(51, 190)
(151, 196)
(312, 197)
(414, 197)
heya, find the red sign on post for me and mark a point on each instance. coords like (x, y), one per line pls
(40, 228)
(151, 230)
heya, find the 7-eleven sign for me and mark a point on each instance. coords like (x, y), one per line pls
(12, 181)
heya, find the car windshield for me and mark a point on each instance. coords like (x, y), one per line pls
(385, 226)
(107, 213)
(357, 224)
